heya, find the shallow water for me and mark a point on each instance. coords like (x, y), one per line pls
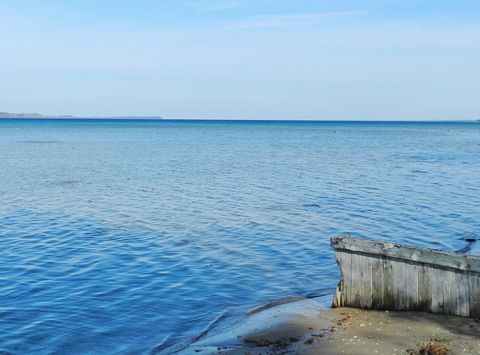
(139, 236)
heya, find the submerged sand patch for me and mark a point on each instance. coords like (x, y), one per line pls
(68, 182)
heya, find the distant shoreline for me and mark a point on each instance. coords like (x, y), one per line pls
(38, 116)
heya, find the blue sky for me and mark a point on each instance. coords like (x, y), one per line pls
(264, 59)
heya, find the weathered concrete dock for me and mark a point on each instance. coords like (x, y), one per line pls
(388, 276)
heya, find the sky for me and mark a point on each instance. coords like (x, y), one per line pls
(251, 59)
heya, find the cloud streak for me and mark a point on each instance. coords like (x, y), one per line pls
(292, 20)
(218, 5)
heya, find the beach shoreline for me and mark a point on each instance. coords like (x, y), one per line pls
(307, 327)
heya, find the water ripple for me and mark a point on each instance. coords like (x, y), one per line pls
(138, 237)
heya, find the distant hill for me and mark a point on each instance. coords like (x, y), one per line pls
(39, 116)
(28, 115)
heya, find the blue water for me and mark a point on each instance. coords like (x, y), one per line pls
(137, 236)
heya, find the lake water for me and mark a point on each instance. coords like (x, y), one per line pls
(138, 236)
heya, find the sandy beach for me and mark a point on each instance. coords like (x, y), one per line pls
(305, 327)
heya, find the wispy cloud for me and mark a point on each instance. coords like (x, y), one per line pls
(290, 20)
(217, 5)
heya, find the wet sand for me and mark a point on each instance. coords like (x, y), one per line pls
(305, 327)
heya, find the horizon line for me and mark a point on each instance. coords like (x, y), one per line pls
(160, 118)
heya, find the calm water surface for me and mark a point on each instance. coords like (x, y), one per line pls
(137, 236)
